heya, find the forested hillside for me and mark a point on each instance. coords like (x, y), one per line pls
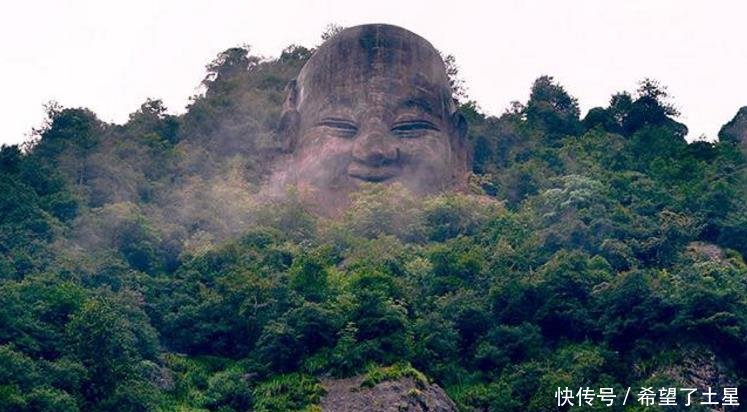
(141, 270)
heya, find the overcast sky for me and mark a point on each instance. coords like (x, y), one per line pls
(111, 56)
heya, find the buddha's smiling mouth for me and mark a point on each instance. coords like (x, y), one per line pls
(372, 174)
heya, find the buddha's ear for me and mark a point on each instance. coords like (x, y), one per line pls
(460, 124)
(461, 146)
(290, 119)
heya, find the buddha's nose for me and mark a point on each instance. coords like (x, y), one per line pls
(376, 148)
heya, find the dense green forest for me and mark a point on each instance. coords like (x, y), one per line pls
(139, 270)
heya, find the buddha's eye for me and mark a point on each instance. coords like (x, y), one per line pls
(415, 128)
(339, 127)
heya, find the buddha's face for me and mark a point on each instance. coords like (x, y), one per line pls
(375, 135)
(375, 106)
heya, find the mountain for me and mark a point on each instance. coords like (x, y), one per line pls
(141, 268)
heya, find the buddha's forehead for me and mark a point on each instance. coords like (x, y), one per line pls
(374, 65)
(377, 94)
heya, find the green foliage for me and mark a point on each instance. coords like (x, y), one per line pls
(228, 390)
(291, 392)
(376, 375)
(112, 339)
(552, 108)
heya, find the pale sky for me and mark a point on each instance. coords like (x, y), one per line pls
(111, 56)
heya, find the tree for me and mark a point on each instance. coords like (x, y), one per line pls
(151, 117)
(652, 107)
(330, 30)
(551, 108)
(227, 65)
(111, 342)
(458, 88)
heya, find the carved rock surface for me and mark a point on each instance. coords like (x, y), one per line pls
(373, 105)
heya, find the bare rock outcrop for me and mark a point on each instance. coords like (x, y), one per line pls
(704, 251)
(736, 130)
(403, 394)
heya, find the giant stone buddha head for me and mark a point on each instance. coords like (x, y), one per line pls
(373, 105)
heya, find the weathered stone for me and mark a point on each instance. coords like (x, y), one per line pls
(405, 394)
(736, 130)
(703, 251)
(373, 104)
(698, 367)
